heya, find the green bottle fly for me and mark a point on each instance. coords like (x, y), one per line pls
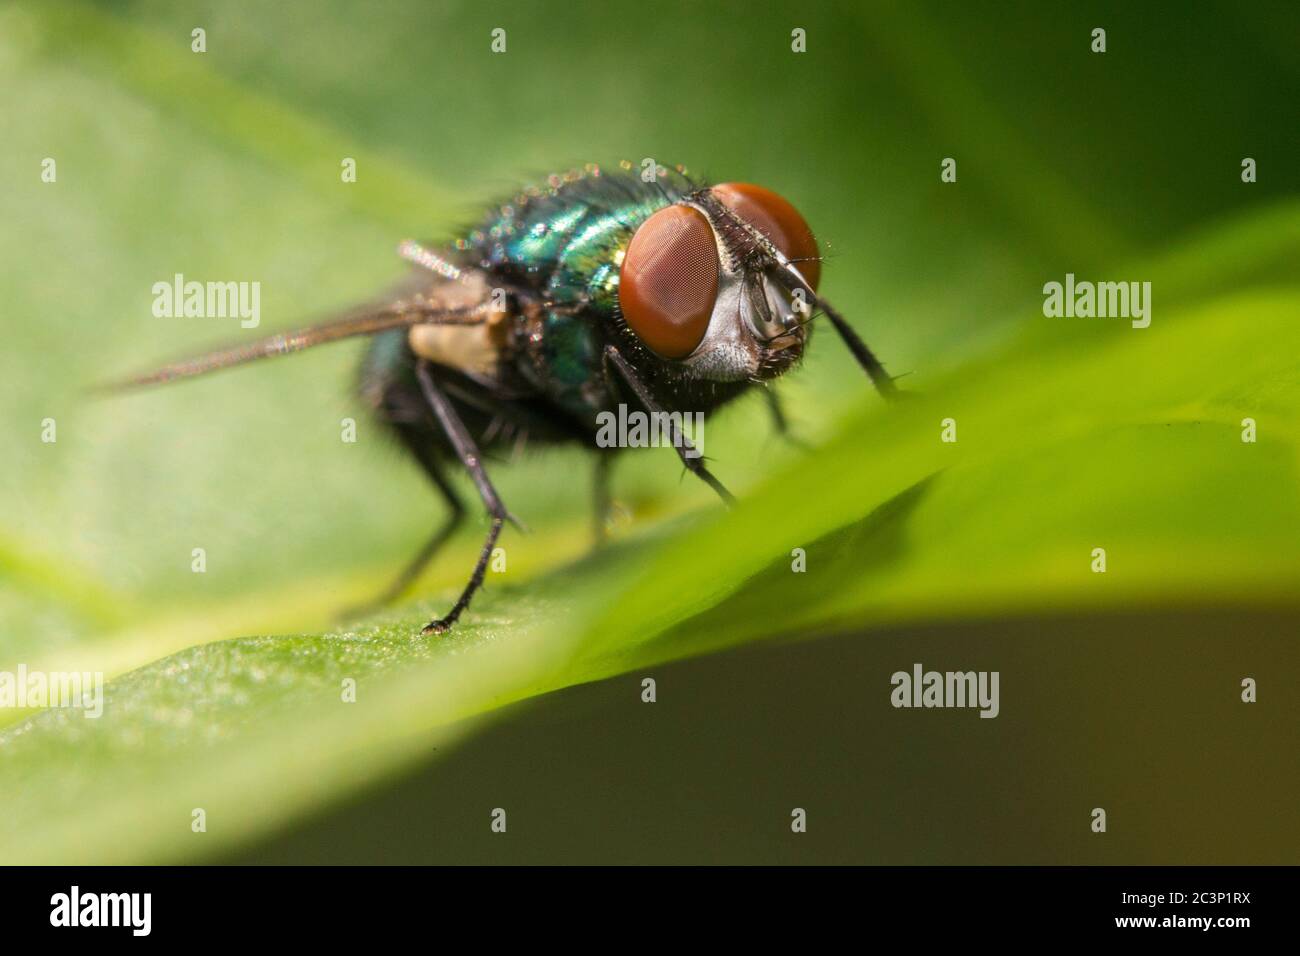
(598, 295)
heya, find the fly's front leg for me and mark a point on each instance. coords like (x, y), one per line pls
(685, 450)
(793, 280)
(779, 422)
(469, 456)
(883, 381)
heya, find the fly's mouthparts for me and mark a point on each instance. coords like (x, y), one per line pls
(790, 337)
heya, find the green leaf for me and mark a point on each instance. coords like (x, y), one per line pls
(1072, 434)
(1116, 443)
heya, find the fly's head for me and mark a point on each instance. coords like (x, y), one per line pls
(722, 282)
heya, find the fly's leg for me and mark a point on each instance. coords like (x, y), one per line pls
(883, 381)
(419, 447)
(469, 455)
(779, 422)
(685, 450)
(791, 279)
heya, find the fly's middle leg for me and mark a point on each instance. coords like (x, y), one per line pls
(467, 451)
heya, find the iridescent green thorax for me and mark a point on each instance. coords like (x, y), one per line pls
(561, 247)
(566, 242)
(566, 237)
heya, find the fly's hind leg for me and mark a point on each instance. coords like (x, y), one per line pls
(417, 442)
(459, 437)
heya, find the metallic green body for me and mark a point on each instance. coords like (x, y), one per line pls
(567, 243)
(558, 247)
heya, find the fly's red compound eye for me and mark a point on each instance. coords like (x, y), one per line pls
(668, 282)
(779, 221)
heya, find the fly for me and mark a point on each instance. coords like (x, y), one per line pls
(599, 289)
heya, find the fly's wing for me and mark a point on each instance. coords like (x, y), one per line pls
(437, 301)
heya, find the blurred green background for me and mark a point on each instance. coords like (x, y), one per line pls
(225, 165)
